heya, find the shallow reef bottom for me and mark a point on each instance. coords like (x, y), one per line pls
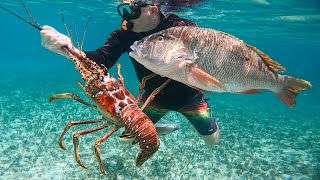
(258, 140)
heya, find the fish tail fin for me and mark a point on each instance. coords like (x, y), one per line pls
(291, 89)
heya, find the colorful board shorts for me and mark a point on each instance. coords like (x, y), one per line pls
(197, 111)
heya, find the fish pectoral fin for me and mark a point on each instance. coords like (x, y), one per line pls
(251, 91)
(197, 76)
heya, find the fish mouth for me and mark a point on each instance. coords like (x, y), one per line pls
(136, 52)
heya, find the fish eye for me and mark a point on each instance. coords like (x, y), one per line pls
(160, 38)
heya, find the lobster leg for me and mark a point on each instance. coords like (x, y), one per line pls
(72, 123)
(154, 93)
(81, 133)
(70, 96)
(143, 83)
(97, 150)
(120, 76)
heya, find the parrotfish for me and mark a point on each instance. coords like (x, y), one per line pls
(214, 61)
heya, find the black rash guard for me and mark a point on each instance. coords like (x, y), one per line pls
(175, 94)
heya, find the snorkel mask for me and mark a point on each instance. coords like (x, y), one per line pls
(131, 10)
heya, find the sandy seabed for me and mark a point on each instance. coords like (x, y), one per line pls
(258, 140)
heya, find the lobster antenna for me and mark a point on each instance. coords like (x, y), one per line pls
(70, 30)
(65, 25)
(76, 34)
(25, 7)
(34, 25)
(84, 33)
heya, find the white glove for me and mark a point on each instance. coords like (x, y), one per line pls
(53, 40)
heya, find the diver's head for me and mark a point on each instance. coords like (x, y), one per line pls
(140, 16)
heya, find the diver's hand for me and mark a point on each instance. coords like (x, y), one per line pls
(53, 40)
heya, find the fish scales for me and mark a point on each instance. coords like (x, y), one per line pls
(224, 57)
(215, 61)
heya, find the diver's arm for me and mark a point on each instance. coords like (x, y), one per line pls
(109, 53)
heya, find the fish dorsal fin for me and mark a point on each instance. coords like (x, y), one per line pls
(272, 64)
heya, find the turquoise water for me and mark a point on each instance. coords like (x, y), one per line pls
(261, 138)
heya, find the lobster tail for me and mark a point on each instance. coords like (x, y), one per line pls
(138, 125)
(148, 148)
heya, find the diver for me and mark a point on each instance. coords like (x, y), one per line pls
(141, 19)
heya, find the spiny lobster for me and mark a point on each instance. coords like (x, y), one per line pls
(116, 104)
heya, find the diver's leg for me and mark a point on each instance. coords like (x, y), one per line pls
(155, 112)
(212, 139)
(199, 114)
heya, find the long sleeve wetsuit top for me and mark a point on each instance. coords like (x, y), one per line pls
(119, 42)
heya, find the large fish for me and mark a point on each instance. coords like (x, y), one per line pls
(212, 60)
